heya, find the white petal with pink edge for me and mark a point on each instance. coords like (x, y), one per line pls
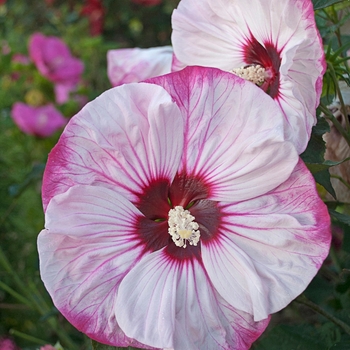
(234, 136)
(167, 303)
(269, 248)
(84, 256)
(121, 140)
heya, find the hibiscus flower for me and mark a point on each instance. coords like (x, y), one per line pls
(274, 43)
(40, 121)
(177, 216)
(54, 61)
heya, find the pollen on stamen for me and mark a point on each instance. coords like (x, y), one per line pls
(254, 73)
(182, 227)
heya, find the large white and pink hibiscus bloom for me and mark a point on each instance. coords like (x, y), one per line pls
(177, 216)
(274, 43)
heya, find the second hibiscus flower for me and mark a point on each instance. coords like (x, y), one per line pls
(274, 43)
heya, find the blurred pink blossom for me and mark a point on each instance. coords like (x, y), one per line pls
(22, 59)
(40, 121)
(95, 12)
(19, 59)
(7, 344)
(48, 347)
(54, 61)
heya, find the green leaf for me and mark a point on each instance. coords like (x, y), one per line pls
(319, 167)
(316, 147)
(324, 179)
(99, 346)
(290, 338)
(342, 345)
(320, 4)
(344, 218)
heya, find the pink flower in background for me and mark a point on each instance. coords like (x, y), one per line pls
(274, 43)
(48, 347)
(177, 216)
(19, 59)
(54, 61)
(39, 121)
(147, 2)
(134, 65)
(8, 344)
(22, 59)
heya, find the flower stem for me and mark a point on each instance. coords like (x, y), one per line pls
(27, 337)
(16, 295)
(32, 297)
(339, 95)
(302, 299)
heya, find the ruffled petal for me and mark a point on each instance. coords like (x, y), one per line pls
(134, 65)
(145, 307)
(218, 33)
(241, 329)
(167, 303)
(233, 133)
(123, 139)
(269, 248)
(84, 256)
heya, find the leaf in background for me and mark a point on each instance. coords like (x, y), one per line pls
(320, 4)
(324, 178)
(35, 174)
(342, 345)
(313, 156)
(344, 218)
(290, 338)
(316, 147)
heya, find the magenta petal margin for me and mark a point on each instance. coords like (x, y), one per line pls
(195, 139)
(279, 35)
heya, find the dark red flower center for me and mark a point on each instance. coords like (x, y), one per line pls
(155, 201)
(268, 57)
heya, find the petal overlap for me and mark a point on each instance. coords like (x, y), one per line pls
(173, 305)
(95, 148)
(268, 237)
(136, 64)
(84, 257)
(229, 138)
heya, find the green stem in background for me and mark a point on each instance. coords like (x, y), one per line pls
(302, 299)
(328, 115)
(339, 94)
(16, 295)
(335, 20)
(27, 337)
(32, 297)
(8, 268)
